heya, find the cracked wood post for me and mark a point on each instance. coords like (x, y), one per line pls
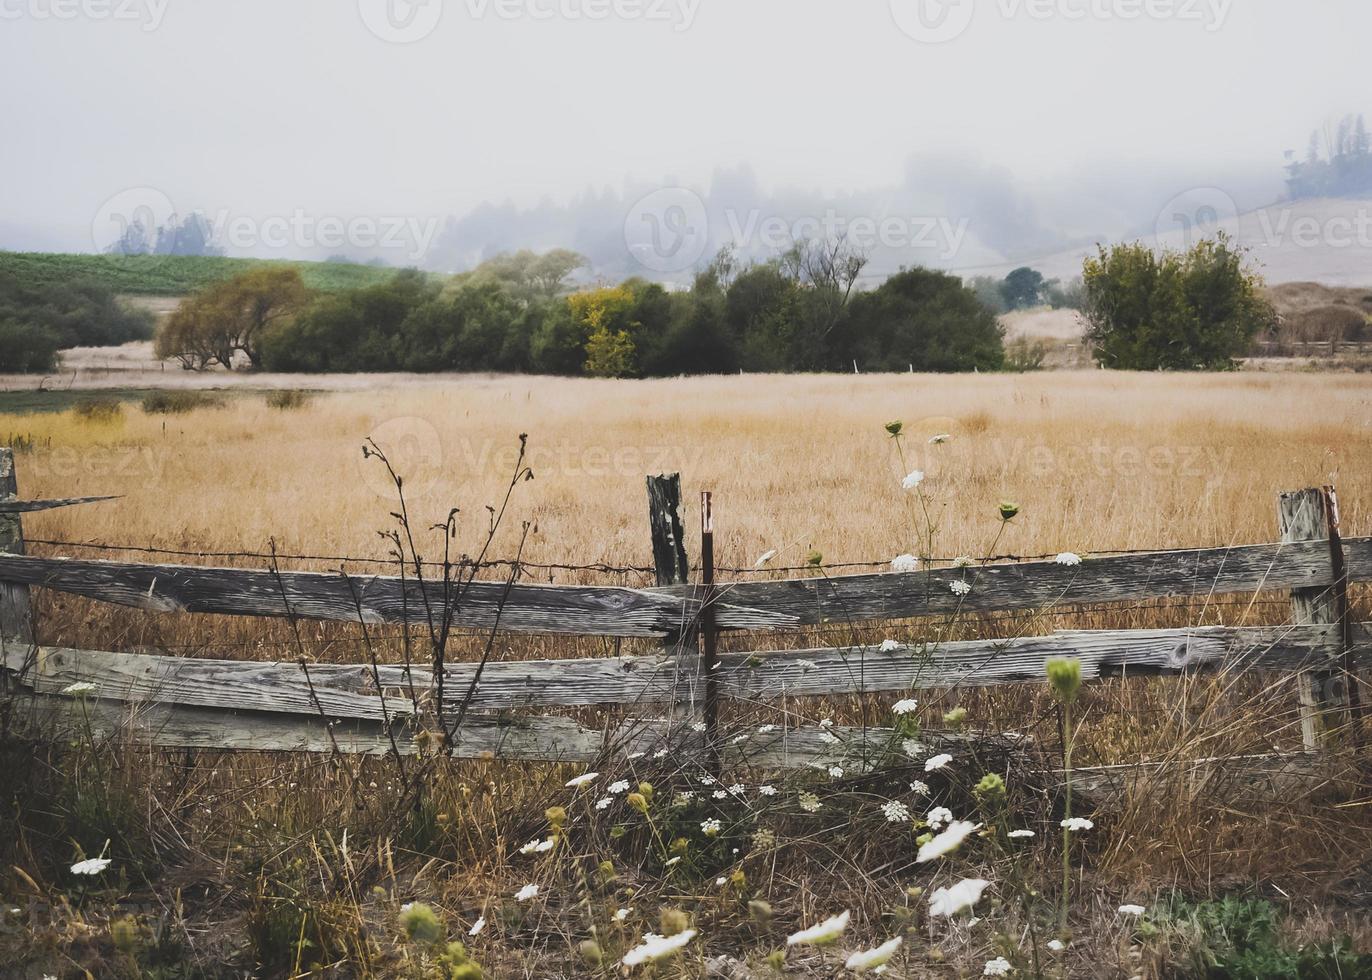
(709, 635)
(1303, 516)
(671, 566)
(16, 611)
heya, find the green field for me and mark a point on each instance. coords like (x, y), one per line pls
(173, 275)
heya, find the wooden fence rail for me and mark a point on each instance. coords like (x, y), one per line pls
(192, 702)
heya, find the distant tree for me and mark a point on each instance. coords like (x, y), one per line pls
(78, 313)
(988, 291)
(1177, 311)
(531, 277)
(1022, 289)
(230, 318)
(1065, 296)
(926, 319)
(191, 235)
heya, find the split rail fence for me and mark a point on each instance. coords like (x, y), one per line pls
(289, 705)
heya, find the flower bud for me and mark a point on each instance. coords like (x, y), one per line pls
(1064, 677)
(1008, 510)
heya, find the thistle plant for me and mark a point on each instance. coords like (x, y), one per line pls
(1064, 678)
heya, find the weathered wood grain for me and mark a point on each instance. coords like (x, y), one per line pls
(598, 610)
(349, 690)
(542, 738)
(1301, 517)
(1038, 585)
(32, 506)
(1222, 780)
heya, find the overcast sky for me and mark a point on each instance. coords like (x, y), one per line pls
(346, 107)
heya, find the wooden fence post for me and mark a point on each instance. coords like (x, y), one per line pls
(709, 635)
(16, 614)
(1303, 516)
(664, 518)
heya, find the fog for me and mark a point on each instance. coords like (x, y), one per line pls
(964, 136)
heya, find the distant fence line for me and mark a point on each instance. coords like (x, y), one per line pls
(293, 705)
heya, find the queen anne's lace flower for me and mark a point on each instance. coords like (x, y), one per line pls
(526, 893)
(477, 926)
(948, 841)
(1068, 558)
(1132, 910)
(998, 967)
(905, 563)
(655, 947)
(914, 479)
(820, 935)
(959, 587)
(895, 811)
(889, 646)
(711, 827)
(917, 786)
(953, 899)
(870, 959)
(577, 782)
(90, 866)
(617, 787)
(79, 689)
(904, 706)
(938, 816)
(1020, 834)
(936, 762)
(1076, 824)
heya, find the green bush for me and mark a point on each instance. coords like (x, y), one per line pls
(1174, 311)
(26, 349)
(99, 410)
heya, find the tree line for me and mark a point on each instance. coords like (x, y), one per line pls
(519, 313)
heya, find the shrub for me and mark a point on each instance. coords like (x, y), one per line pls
(179, 402)
(1174, 311)
(26, 349)
(1324, 324)
(100, 411)
(287, 399)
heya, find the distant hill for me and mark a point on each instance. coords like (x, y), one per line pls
(1323, 240)
(174, 275)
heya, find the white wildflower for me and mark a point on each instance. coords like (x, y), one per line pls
(698, 726)
(896, 812)
(90, 866)
(526, 893)
(672, 861)
(948, 841)
(809, 802)
(820, 935)
(660, 754)
(904, 706)
(963, 561)
(940, 439)
(870, 959)
(1132, 910)
(1068, 558)
(737, 789)
(938, 816)
(711, 827)
(998, 967)
(913, 479)
(79, 689)
(604, 803)
(531, 847)
(936, 762)
(1076, 824)
(889, 646)
(477, 926)
(766, 729)
(836, 772)
(654, 947)
(905, 563)
(685, 796)
(1020, 834)
(959, 587)
(916, 786)
(767, 789)
(719, 794)
(826, 723)
(721, 882)
(738, 738)
(579, 781)
(617, 787)
(707, 780)
(953, 899)
(1056, 945)
(622, 914)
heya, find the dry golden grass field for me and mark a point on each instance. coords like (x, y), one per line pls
(242, 857)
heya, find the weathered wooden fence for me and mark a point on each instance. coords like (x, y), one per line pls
(674, 689)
